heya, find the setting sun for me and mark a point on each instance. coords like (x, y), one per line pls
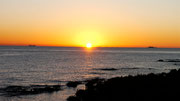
(88, 45)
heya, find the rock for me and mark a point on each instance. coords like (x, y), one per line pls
(28, 90)
(160, 60)
(72, 98)
(107, 69)
(177, 64)
(169, 60)
(148, 87)
(73, 83)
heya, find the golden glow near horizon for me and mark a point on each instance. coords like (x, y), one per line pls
(89, 36)
(88, 45)
(103, 23)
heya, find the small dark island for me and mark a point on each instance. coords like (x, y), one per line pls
(32, 45)
(152, 47)
(151, 87)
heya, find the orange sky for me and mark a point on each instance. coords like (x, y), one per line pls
(103, 23)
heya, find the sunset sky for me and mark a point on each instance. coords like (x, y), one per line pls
(103, 23)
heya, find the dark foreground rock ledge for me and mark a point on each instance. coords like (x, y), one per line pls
(151, 87)
(29, 90)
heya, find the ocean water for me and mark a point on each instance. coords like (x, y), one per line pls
(57, 65)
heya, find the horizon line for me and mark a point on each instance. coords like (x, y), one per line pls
(84, 46)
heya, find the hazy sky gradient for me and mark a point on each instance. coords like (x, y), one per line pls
(106, 23)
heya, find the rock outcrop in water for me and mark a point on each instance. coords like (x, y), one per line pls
(169, 60)
(29, 90)
(106, 69)
(151, 87)
(73, 84)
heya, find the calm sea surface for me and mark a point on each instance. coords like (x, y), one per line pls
(58, 65)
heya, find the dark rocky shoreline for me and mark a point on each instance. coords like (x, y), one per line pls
(29, 90)
(163, 86)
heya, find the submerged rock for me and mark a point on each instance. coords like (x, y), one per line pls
(160, 60)
(107, 69)
(28, 90)
(177, 64)
(169, 60)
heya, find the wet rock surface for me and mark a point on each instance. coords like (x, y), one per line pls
(29, 90)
